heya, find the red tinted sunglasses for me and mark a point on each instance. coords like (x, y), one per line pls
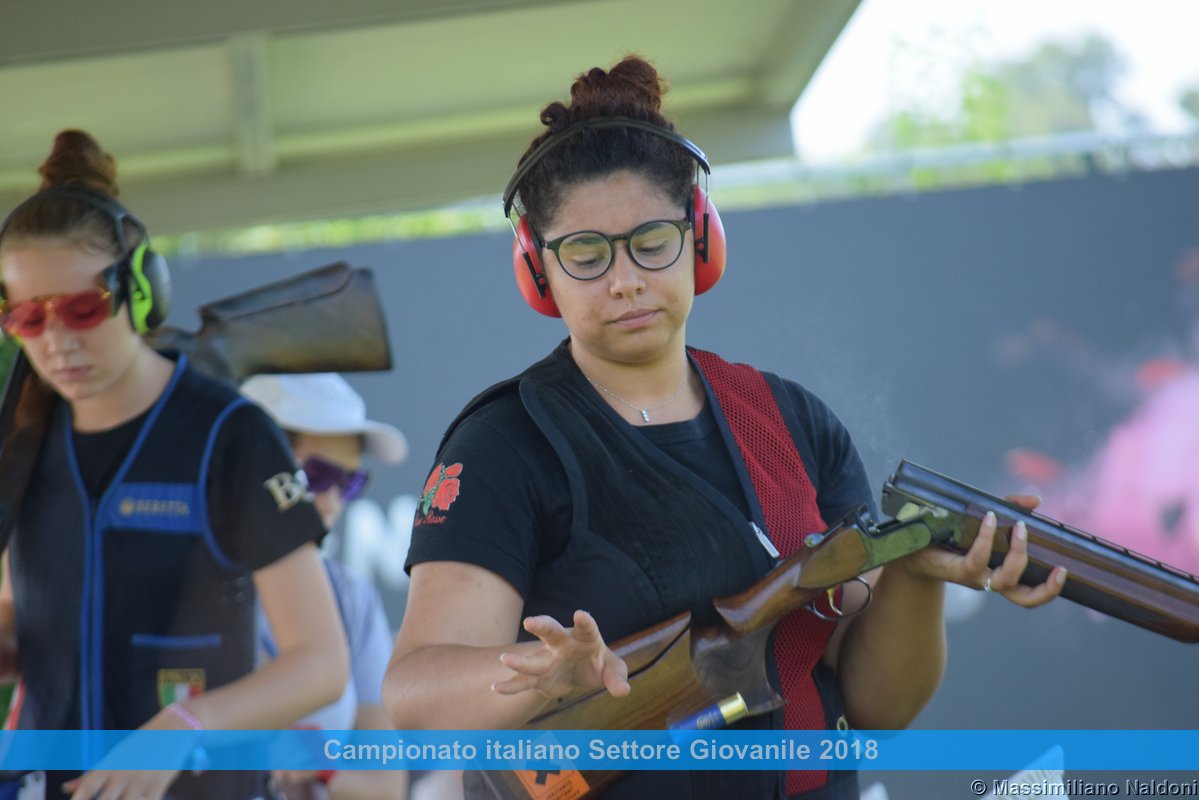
(324, 475)
(78, 312)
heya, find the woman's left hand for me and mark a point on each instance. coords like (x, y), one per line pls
(119, 784)
(104, 784)
(971, 569)
(568, 660)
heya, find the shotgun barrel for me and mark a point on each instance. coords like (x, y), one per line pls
(1101, 575)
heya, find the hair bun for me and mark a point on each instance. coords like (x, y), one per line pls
(556, 117)
(631, 88)
(78, 159)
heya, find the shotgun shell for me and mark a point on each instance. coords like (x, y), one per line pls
(724, 713)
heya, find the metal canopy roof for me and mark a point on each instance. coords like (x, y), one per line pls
(232, 112)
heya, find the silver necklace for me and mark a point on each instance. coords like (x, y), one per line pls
(644, 412)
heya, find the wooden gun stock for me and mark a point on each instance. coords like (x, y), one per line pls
(326, 320)
(1102, 575)
(677, 668)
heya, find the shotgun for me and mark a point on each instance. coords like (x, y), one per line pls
(677, 669)
(1102, 575)
(325, 320)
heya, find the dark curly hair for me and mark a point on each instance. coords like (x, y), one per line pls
(76, 160)
(631, 88)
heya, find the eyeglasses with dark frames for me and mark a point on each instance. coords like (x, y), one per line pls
(653, 245)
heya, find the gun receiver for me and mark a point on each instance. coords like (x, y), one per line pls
(1103, 576)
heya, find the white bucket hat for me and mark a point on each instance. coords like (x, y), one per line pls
(323, 403)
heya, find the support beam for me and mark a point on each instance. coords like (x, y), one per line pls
(253, 129)
(414, 178)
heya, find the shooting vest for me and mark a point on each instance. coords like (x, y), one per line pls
(125, 604)
(787, 500)
(623, 492)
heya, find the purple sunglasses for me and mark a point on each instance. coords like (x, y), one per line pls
(324, 475)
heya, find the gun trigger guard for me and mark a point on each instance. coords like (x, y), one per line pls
(838, 613)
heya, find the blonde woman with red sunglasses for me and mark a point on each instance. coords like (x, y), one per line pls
(162, 504)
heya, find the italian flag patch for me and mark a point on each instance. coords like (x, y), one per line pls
(178, 685)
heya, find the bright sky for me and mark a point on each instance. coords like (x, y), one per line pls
(896, 51)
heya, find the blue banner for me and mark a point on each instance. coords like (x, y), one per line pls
(596, 750)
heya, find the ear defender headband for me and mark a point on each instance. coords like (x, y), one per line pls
(143, 280)
(710, 250)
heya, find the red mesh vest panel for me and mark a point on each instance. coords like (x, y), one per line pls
(788, 501)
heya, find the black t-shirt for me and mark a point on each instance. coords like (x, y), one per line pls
(499, 498)
(247, 523)
(511, 513)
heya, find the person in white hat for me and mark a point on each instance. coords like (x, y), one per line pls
(325, 419)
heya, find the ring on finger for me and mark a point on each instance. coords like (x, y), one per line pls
(987, 585)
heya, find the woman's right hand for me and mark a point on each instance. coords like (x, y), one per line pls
(568, 660)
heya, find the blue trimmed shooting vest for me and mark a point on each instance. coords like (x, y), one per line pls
(125, 603)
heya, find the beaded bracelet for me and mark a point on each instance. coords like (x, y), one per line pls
(184, 713)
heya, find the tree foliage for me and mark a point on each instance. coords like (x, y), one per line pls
(1190, 101)
(1058, 87)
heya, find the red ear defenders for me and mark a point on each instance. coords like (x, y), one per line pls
(706, 226)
